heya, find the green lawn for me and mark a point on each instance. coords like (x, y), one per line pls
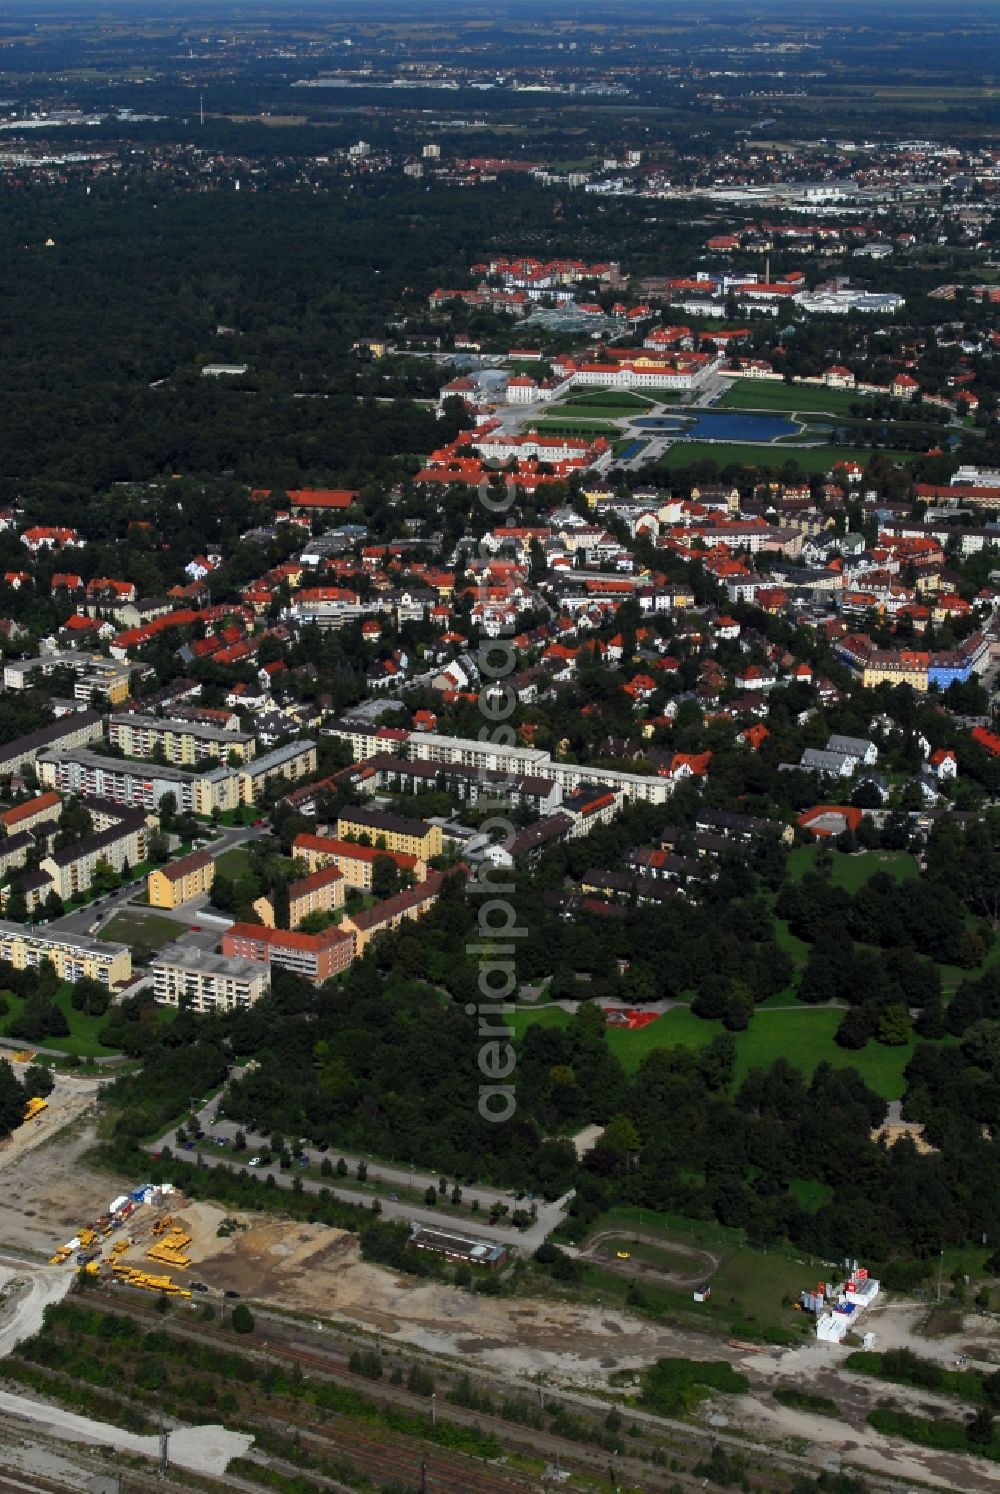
(810, 1193)
(82, 1039)
(136, 927)
(762, 394)
(575, 410)
(602, 399)
(245, 815)
(809, 458)
(851, 872)
(234, 863)
(802, 1035)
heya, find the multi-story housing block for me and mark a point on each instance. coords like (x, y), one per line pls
(202, 982)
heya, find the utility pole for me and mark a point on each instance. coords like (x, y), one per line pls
(434, 1416)
(423, 1476)
(164, 1438)
(940, 1269)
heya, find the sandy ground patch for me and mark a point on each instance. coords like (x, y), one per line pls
(204, 1450)
(25, 1292)
(48, 1192)
(310, 1268)
(818, 1368)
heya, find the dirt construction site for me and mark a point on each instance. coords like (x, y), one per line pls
(310, 1275)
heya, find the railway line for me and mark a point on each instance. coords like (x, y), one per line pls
(443, 1472)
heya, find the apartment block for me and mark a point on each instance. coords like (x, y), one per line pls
(180, 881)
(14, 851)
(203, 982)
(316, 957)
(183, 743)
(393, 832)
(74, 730)
(140, 786)
(94, 674)
(72, 869)
(297, 760)
(356, 862)
(321, 892)
(30, 814)
(384, 917)
(73, 955)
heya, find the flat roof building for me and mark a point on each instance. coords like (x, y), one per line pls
(204, 982)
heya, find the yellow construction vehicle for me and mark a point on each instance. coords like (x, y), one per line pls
(34, 1107)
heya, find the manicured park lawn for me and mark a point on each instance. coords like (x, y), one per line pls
(852, 872)
(603, 399)
(803, 1035)
(575, 410)
(761, 394)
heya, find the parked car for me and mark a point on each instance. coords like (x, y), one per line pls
(254, 1162)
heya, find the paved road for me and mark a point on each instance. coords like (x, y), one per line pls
(527, 1241)
(80, 920)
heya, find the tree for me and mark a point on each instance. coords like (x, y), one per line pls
(53, 905)
(385, 876)
(739, 1008)
(38, 1081)
(41, 1018)
(894, 1026)
(157, 846)
(361, 1171)
(90, 996)
(979, 1430)
(11, 1099)
(243, 1321)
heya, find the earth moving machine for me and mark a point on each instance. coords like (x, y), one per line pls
(34, 1107)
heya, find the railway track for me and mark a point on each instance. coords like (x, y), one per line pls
(31, 1483)
(446, 1473)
